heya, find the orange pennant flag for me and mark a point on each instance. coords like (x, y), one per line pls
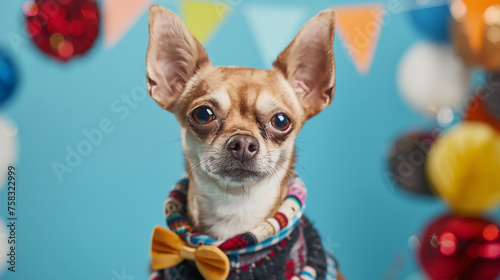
(359, 28)
(119, 16)
(474, 21)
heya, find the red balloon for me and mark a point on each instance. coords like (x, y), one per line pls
(461, 248)
(62, 28)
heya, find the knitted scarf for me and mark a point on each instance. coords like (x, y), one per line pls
(285, 246)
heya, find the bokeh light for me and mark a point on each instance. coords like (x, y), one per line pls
(490, 251)
(490, 232)
(448, 243)
(30, 8)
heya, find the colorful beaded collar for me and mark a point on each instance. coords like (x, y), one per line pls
(266, 234)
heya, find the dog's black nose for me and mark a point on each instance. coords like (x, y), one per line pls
(243, 147)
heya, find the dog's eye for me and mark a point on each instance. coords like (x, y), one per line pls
(203, 115)
(281, 122)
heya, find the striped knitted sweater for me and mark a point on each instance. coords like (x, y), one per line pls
(285, 246)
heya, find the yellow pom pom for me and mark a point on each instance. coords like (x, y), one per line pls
(464, 168)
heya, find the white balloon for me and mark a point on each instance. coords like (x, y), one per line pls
(8, 147)
(431, 77)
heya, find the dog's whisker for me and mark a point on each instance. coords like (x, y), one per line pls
(165, 144)
(244, 192)
(196, 166)
(274, 101)
(289, 173)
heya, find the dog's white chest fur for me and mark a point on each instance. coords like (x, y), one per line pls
(224, 213)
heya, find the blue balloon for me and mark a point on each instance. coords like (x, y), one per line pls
(433, 22)
(8, 77)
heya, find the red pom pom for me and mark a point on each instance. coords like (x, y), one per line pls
(461, 248)
(62, 28)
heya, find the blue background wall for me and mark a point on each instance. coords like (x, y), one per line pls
(96, 222)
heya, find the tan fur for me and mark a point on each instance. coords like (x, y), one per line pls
(243, 88)
(306, 53)
(189, 49)
(243, 100)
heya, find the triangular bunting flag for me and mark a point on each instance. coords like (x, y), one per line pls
(274, 27)
(474, 21)
(119, 16)
(359, 28)
(203, 18)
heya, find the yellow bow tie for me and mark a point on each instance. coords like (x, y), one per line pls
(168, 249)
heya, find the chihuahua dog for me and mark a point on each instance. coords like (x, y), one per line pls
(238, 125)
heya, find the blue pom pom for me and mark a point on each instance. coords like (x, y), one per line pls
(8, 77)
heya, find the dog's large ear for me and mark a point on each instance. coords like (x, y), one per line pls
(173, 56)
(308, 63)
